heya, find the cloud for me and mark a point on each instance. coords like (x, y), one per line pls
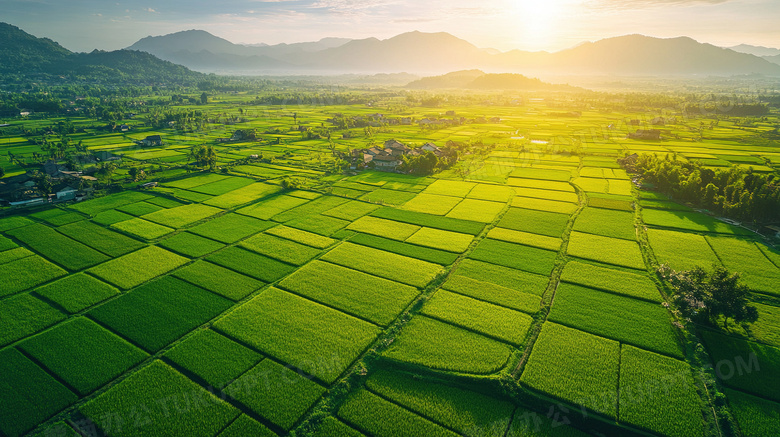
(150, 10)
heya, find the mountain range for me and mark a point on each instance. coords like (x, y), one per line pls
(438, 53)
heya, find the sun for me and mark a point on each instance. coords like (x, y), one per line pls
(538, 21)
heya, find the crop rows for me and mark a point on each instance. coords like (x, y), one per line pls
(62, 250)
(606, 249)
(610, 279)
(383, 264)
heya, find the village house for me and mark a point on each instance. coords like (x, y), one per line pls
(151, 141)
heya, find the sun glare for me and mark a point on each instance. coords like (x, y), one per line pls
(538, 22)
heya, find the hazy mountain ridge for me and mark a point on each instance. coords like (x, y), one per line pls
(477, 79)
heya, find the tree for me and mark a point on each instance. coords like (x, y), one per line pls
(204, 98)
(137, 174)
(204, 156)
(2, 172)
(706, 296)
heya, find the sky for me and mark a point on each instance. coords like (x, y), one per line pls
(551, 25)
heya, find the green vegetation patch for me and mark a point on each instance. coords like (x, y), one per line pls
(432, 204)
(158, 313)
(560, 196)
(182, 215)
(405, 249)
(303, 237)
(246, 426)
(692, 221)
(375, 299)
(450, 188)
(606, 222)
(516, 256)
(276, 392)
(658, 393)
(107, 218)
(13, 222)
(29, 395)
(100, 204)
(755, 416)
(430, 221)
(556, 367)
(220, 280)
(77, 292)
(230, 228)
(526, 238)
(495, 193)
(83, 354)
(439, 239)
(25, 315)
(57, 217)
(27, 272)
(6, 243)
(430, 343)
(388, 197)
(319, 224)
(314, 338)
(611, 201)
(628, 320)
(482, 211)
(281, 249)
(613, 280)
(351, 211)
(139, 208)
(541, 173)
(266, 209)
(496, 294)
(682, 251)
(138, 267)
(212, 357)
(142, 228)
(384, 264)
(383, 228)
(606, 250)
(62, 250)
(503, 276)
(158, 388)
(544, 205)
(537, 222)
(190, 244)
(332, 427)
(196, 180)
(97, 237)
(253, 264)
(243, 195)
(222, 186)
(743, 256)
(18, 253)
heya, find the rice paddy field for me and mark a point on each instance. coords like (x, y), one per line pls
(513, 294)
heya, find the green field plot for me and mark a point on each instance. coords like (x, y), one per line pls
(6, 244)
(559, 196)
(27, 272)
(488, 319)
(493, 293)
(773, 255)
(526, 238)
(158, 313)
(7, 256)
(610, 201)
(538, 222)
(438, 345)
(246, 426)
(190, 244)
(196, 181)
(691, 221)
(190, 196)
(319, 224)
(57, 217)
(280, 248)
(164, 202)
(142, 229)
(743, 256)
(612, 280)
(627, 320)
(439, 239)
(29, 394)
(383, 228)
(375, 299)
(116, 411)
(77, 292)
(62, 250)
(516, 256)
(619, 187)
(182, 215)
(83, 354)
(376, 416)
(467, 412)
(249, 263)
(596, 185)
(658, 393)
(482, 211)
(495, 193)
(544, 205)
(606, 222)
(230, 228)
(318, 340)
(745, 365)
(755, 416)
(384, 264)
(97, 237)
(532, 424)
(25, 315)
(332, 427)
(222, 186)
(767, 328)
(351, 210)
(213, 358)
(299, 236)
(435, 204)
(405, 249)
(311, 208)
(682, 251)
(503, 276)
(107, 218)
(95, 206)
(139, 208)
(430, 221)
(220, 280)
(138, 267)
(276, 392)
(540, 184)
(388, 197)
(541, 173)
(606, 249)
(450, 188)
(556, 367)
(8, 223)
(243, 195)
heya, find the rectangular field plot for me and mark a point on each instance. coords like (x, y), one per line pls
(544, 205)
(107, 218)
(538, 222)
(559, 196)
(190, 245)
(308, 238)
(160, 312)
(25, 315)
(250, 263)
(182, 215)
(115, 413)
(607, 250)
(281, 249)
(682, 251)
(243, 195)
(383, 228)
(384, 264)
(627, 320)
(318, 224)
(311, 208)
(375, 299)
(423, 253)
(611, 201)
(388, 197)
(83, 354)
(351, 210)
(27, 272)
(493, 293)
(318, 340)
(212, 357)
(691, 221)
(673, 409)
(606, 222)
(276, 392)
(488, 319)
(430, 343)
(503, 276)
(222, 186)
(755, 416)
(7, 256)
(743, 256)
(541, 173)
(482, 211)
(556, 362)
(77, 292)
(196, 181)
(439, 239)
(62, 250)
(29, 396)
(450, 188)
(220, 280)
(430, 221)
(612, 280)
(431, 204)
(516, 256)
(58, 217)
(14, 222)
(495, 193)
(540, 184)
(138, 267)
(527, 238)
(230, 228)
(95, 206)
(109, 242)
(139, 208)
(142, 229)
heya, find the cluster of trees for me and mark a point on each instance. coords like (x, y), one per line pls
(427, 163)
(734, 192)
(204, 156)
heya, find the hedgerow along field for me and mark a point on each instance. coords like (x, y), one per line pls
(512, 294)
